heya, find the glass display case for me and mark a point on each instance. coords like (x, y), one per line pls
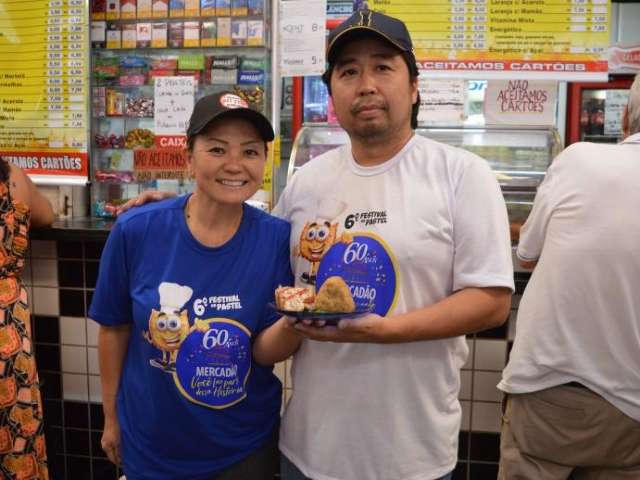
(223, 45)
(518, 156)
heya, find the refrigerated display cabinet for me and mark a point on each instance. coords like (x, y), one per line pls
(518, 156)
(594, 110)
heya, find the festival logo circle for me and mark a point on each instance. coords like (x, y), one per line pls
(367, 265)
(213, 364)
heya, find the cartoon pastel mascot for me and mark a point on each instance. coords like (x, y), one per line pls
(318, 236)
(169, 327)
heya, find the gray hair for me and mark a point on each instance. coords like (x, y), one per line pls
(633, 106)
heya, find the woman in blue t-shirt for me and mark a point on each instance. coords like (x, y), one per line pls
(182, 293)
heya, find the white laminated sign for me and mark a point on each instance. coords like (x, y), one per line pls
(302, 30)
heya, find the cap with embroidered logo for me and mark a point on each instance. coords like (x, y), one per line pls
(226, 104)
(391, 29)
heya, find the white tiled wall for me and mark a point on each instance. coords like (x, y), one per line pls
(45, 300)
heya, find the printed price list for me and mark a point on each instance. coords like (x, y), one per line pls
(543, 31)
(43, 75)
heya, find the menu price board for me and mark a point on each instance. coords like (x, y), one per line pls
(514, 39)
(44, 62)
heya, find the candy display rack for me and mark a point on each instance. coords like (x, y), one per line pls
(223, 45)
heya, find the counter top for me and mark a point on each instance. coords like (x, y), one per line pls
(79, 228)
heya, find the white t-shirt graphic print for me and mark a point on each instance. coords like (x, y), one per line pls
(435, 218)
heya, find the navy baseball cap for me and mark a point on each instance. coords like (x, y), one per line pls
(387, 28)
(226, 104)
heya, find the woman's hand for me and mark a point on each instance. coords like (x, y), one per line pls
(110, 441)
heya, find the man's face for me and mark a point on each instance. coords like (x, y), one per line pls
(371, 90)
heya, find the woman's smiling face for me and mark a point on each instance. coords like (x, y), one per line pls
(227, 161)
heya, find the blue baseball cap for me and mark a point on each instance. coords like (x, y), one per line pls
(389, 29)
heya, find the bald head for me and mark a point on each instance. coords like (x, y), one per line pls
(631, 119)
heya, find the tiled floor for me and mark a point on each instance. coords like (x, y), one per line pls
(62, 276)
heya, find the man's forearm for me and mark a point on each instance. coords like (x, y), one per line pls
(112, 351)
(467, 311)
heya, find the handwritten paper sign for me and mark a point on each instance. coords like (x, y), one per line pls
(614, 104)
(302, 37)
(520, 102)
(149, 164)
(441, 101)
(173, 104)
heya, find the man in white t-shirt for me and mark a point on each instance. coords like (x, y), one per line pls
(573, 379)
(419, 231)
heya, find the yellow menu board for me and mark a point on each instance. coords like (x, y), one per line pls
(44, 61)
(531, 39)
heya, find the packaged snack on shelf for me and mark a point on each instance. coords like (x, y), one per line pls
(133, 79)
(223, 77)
(99, 9)
(194, 61)
(239, 8)
(143, 35)
(139, 138)
(207, 8)
(191, 34)
(255, 7)
(98, 34)
(159, 35)
(129, 36)
(144, 9)
(110, 133)
(238, 32)
(99, 102)
(225, 62)
(160, 73)
(116, 159)
(196, 74)
(105, 209)
(176, 8)
(224, 31)
(224, 69)
(160, 8)
(223, 8)
(106, 70)
(117, 176)
(192, 8)
(113, 9)
(252, 63)
(255, 33)
(176, 35)
(164, 63)
(133, 71)
(206, 73)
(251, 77)
(128, 9)
(209, 34)
(254, 96)
(133, 61)
(114, 36)
(114, 102)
